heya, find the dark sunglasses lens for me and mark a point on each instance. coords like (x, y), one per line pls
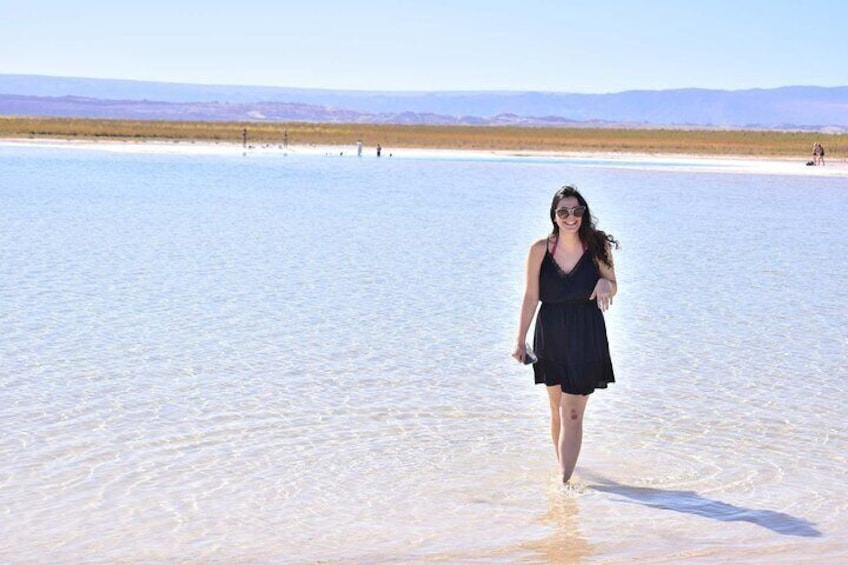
(577, 211)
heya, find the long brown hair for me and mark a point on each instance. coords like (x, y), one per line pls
(597, 242)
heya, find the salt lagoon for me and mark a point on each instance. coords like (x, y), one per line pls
(213, 354)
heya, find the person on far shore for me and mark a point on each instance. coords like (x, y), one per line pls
(818, 154)
(571, 272)
(379, 150)
(359, 148)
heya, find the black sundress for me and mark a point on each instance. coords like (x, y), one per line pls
(570, 338)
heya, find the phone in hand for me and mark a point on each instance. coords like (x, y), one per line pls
(529, 356)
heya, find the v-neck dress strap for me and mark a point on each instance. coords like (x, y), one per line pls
(555, 241)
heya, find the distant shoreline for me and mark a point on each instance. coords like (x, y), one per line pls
(635, 160)
(673, 141)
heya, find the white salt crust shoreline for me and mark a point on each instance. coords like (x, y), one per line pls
(659, 162)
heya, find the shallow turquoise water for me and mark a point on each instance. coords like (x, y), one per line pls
(306, 358)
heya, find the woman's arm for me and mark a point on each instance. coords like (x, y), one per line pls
(531, 296)
(606, 287)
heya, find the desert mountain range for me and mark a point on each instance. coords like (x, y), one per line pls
(793, 107)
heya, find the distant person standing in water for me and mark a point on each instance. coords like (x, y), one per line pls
(359, 148)
(571, 272)
(285, 139)
(244, 137)
(379, 150)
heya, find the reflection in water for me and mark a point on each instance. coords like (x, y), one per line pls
(566, 543)
(690, 502)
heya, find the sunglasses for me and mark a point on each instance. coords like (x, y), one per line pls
(577, 211)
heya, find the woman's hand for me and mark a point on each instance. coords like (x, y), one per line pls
(520, 352)
(603, 294)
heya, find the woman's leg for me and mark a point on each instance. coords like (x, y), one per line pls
(571, 409)
(555, 397)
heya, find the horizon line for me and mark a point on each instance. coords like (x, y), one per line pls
(414, 92)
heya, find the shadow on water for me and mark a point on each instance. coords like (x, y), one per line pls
(690, 502)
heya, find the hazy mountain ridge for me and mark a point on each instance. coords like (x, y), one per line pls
(83, 107)
(805, 107)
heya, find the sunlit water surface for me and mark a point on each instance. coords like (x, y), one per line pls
(306, 359)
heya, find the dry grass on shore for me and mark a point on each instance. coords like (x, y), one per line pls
(616, 140)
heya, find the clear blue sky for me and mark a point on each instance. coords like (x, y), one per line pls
(542, 45)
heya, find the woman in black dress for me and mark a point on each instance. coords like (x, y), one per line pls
(571, 272)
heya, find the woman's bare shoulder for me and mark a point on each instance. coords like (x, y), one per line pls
(539, 246)
(541, 243)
